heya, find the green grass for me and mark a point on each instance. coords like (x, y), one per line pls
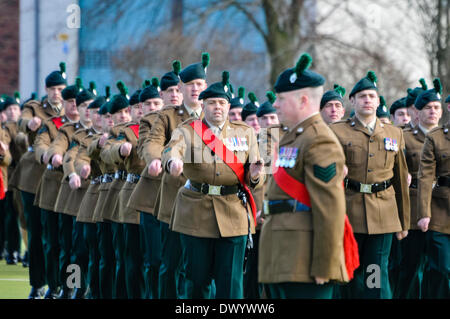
(14, 283)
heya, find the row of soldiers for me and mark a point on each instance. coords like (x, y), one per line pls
(182, 190)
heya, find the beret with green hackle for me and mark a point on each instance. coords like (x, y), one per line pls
(238, 101)
(337, 94)
(369, 82)
(100, 100)
(414, 93)
(220, 89)
(251, 107)
(432, 95)
(171, 78)
(151, 91)
(119, 101)
(195, 71)
(87, 94)
(57, 77)
(382, 109)
(71, 91)
(267, 107)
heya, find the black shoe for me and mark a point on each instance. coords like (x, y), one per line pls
(25, 262)
(78, 293)
(36, 293)
(64, 294)
(51, 294)
(10, 260)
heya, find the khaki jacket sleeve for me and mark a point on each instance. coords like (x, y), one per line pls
(110, 153)
(82, 158)
(176, 148)
(42, 143)
(142, 147)
(93, 150)
(324, 165)
(253, 157)
(59, 145)
(400, 183)
(69, 159)
(25, 117)
(426, 176)
(157, 139)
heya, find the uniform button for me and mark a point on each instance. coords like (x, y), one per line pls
(369, 170)
(371, 155)
(218, 173)
(371, 140)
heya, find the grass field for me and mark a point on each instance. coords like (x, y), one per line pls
(14, 282)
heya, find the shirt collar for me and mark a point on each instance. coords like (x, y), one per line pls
(197, 112)
(370, 126)
(311, 115)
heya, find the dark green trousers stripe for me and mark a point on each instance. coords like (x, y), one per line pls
(65, 243)
(436, 277)
(119, 286)
(12, 232)
(80, 255)
(252, 289)
(106, 267)
(50, 235)
(133, 262)
(90, 237)
(151, 243)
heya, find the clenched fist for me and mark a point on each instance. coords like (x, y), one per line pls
(85, 171)
(102, 140)
(125, 149)
(57, 160)
(154, 169)
(34, 123)
(176, 167)
(74, 182)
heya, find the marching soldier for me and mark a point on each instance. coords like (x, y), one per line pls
(33, 117)
(376, 186)
(409, 102)
(236, 105)
(399, 113)
(383, 112)
(434, 202)
(192, 82)
(301, 244)
(5, 160)
(248, 113)
(332, 105)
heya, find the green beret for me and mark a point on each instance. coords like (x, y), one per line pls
(100, 100)
(382, 110)
(266, 107)
(151, 90)
(8, 101)
(299, 77)
(369, 82)
(71, 91)
(398, 104)
(251, 107)
(447, 100)
(336, 94)
(87, 94)
(196, 70)
(119, 101)
(414, 93)
(57, 77)
(104, 108)
(238, 101)
(134, 98)
(171, 78)
(429, 95)
(219, 89)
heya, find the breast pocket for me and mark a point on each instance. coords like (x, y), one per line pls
(444, 161)
(354, 153)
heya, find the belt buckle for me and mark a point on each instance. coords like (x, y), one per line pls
(266, 207)
(365, 188)
(49, 167)
(30, 148)
(129, 178)
(214, 190)
(117, 175)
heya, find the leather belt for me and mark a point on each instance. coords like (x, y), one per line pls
(367, 188)
(208, 189)
(443, 181)
(272, 207)
(120, 175)
(107, 178)
(96, 180)
(133, 178)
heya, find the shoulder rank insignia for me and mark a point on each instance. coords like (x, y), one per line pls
(325, 173)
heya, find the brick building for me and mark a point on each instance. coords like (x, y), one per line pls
(9, 46)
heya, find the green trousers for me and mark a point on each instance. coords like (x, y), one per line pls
(50, 236)
(294, 290)
(436, 277)
(252, 289)
(371, 279)
(80, 254)
(151, 249)
(36, 259)
(133, 262)
(92, 280)
(65, 224)
(119, 286)
(106, 263)
(221, 259)
(12, 232)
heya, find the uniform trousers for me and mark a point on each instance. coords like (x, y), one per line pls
(133, 261)
(436, 277)
(80, 254)
(298, 290)
(92, 279)
(119, 286)
(106, 266)
(50, 236)
(151, 244)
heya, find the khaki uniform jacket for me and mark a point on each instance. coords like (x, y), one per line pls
(435, 162)
(160, 134)
(87, 206)
(110, 154)
(414, 139)
(210, 216)
(50, 183)
(368, 162)
(6, 158)
(17, 147)
(296, 247)
(30, 172)
(146, 191)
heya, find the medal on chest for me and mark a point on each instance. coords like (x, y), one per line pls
(390, 144)
(287, 157)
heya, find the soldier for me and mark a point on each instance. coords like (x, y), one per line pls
(332, 105)
(34, 114)
(213, 236)
(5, 160)
(91, 171)
(248, 113)
(236, 105)
(267, 114)
(306, 182)
(399, 113)
(192, 82)
(383, 112)
(409, 102)
(376, 187)
(434, 202)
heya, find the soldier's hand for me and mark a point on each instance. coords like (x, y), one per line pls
(34, 123)
(176, 167)
(345, 170)
(57, 160)
(75, 182)
(125, 149)
(45, 158)
(409, 179)
(401, 234)
(85, 171)
(3, 148)
(154, 169)
(423, 223)
(259, 218)
(320, 281)
(256, 169)
(102, 140)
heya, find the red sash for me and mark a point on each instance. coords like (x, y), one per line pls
(2, 186)
(135, 129)
(58, 122)
(223, 152)
(298, 191)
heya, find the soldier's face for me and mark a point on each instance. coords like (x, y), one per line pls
(70, 107)
(332, 111)
(172, 95)
(401, 117)
(385, 120)
(216, 110)
(3, 117)
(122, 116)
(252, 120)
(288, 106)
(151, 105)
(107, 122)
(192, 90)
(54, 94)
(430, 114)
(366, 102)
(448, 107)
(84, 112)
(235, 114)
(13, 112)
(413, 114)
(95, 118)
(136, 112)
(268, 119)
